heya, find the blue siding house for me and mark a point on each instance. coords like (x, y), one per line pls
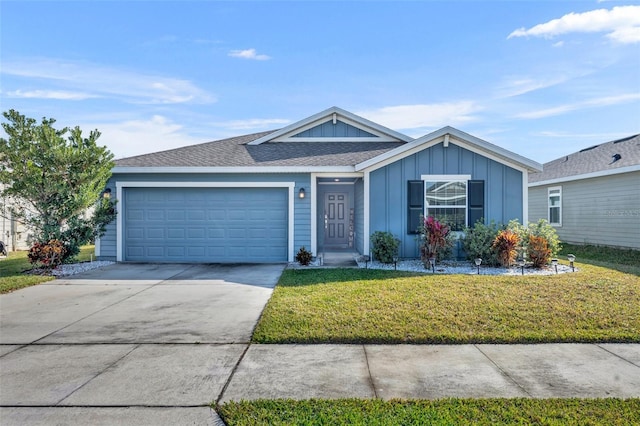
(326, 182)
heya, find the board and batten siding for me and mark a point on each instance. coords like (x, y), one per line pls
(600, 211)
(388, 189)
(302, 207)
(359, 215)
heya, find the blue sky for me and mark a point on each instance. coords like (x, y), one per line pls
(540, 78)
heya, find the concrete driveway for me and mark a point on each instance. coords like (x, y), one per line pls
(161, 340)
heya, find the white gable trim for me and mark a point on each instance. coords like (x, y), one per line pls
(619, 170)
(290, 136)
(456, 137)
(329, 115)
(123, 184)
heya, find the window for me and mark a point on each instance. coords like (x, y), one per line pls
(446, 199)
(555, 205)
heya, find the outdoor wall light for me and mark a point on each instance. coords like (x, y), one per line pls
(571, 258)
(106, 193)
(301, 193)
(554, 262)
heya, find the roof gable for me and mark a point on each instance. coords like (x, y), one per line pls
(333, 125)
(451, 135)
(334, 129)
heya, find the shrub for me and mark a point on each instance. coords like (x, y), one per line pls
(541, 229)
(505, 244)
(477, 242)
(539, 251)
(384, 246)
(436, 239)
(304, 256)
(49, 255)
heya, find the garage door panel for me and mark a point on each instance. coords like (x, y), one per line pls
(238, 224)
(217, 214)
(196, 215)
(135, 251)
(176, 214)
(154, 251)
(135, 214)
(155, 234)
(176, 251)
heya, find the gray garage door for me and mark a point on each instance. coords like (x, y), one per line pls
(205, 224)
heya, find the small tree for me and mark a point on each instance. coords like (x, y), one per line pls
(53, 177)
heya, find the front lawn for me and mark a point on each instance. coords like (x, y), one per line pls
(609, 257)
(596, 304)
(439, 412)
(12, 276)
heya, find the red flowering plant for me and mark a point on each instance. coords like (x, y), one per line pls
(434, 239)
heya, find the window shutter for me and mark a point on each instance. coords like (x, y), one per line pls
(476, 201)
(415, 205)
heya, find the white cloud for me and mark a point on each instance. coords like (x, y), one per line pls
(49, 94)
(254, 123)
(622, 24)
(519, 85)
(101, 81)
(249, 54)
(134, 137)
(423, 115)
(626, 35)
(590, 103)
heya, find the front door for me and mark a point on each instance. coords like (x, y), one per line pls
(336, 220)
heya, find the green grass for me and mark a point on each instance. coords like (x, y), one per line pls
(595, 304)
(619, 259)
(439, 412)
(12, 276)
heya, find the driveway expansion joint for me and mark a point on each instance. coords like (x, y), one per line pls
(99, 373)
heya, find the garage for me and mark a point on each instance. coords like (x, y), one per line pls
(205, 225)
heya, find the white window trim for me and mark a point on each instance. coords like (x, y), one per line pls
(448, 178)
(122, 184)
(559, 189)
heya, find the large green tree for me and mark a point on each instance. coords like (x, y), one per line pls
(53, 180)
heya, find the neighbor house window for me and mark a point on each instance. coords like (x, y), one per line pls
(446, 199)
(555, 205)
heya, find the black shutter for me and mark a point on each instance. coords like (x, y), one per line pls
(475, 201)
(415, 205)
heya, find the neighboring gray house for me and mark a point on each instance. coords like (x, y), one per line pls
(12, 232)
(592, 196)
(326, 182)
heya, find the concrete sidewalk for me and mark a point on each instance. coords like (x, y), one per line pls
(156, 344)
(437, 371)
(174, 383)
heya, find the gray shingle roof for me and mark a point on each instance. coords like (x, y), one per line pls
(592, 159)
(234, 152)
